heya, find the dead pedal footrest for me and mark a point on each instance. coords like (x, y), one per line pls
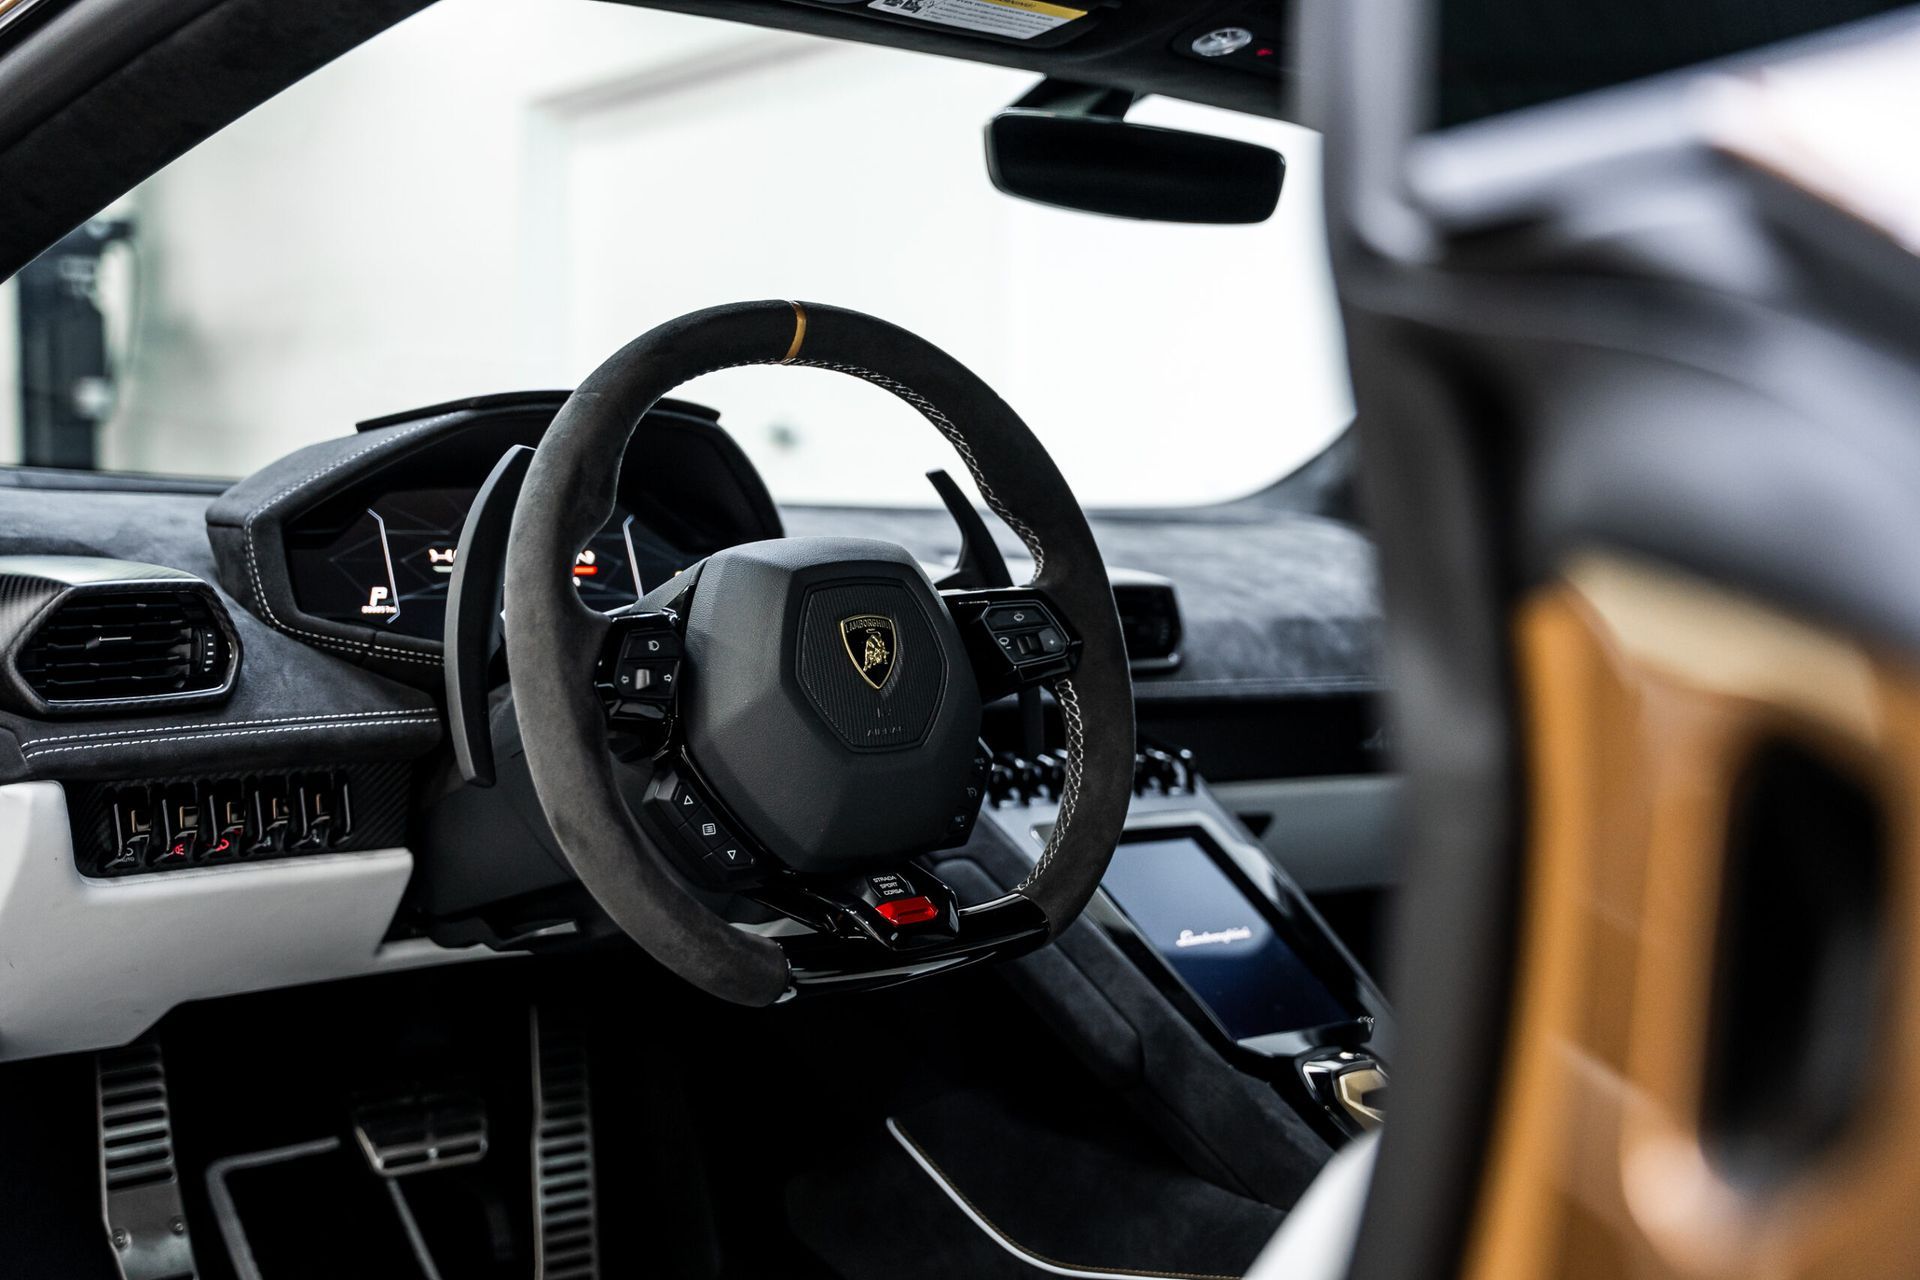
(566, 1236)
(139, 1182)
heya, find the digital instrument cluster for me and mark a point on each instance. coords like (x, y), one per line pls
(389, 566)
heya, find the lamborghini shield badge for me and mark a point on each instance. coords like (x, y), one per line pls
(869, 638)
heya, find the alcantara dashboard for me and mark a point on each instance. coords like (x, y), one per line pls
(267, 762)
(352, 545)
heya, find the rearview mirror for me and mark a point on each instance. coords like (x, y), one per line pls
(1069, 146)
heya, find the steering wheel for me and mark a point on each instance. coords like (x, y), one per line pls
(810, 707)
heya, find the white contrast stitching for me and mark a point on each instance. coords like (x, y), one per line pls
(218, 724)
(932, 413)
(226, 733)
(1069, 700)
(337, 643)
(956, 438)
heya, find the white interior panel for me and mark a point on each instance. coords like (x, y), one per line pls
(87, 963)
(1316, 1241)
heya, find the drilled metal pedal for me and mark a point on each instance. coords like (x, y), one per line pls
(566, 1235)
(420, 1131)
(139, 1182)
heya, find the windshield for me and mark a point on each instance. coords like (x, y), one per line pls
(495, 195)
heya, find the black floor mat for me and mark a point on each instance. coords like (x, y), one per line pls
(934, 1194)
(732, 1144)
(317, 1215)
(267, 1071)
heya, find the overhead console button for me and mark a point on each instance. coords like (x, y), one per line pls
(1245, 41)
(1221, 41)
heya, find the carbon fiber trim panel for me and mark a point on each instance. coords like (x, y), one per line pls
(377, 818)
(34, 588)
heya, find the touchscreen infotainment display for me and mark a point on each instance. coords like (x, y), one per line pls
(1216, 940)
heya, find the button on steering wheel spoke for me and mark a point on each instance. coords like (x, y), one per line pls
(1016, 638)
(712, 849)
(638, 674)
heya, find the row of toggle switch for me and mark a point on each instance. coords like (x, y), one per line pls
(1017, 780)
(162, 826)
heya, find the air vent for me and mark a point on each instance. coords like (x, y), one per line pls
(82, 634)
(1149, 622)
(128, 645)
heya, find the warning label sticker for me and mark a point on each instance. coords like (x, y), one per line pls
(1020, 19)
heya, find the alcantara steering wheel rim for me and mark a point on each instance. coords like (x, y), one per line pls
(555, 644)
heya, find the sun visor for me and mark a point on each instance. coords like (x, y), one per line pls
(1035, 23)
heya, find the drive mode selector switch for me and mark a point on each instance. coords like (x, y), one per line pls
(903, 908)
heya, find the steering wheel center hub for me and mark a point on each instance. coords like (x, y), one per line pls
(831, 706)
(869, 661)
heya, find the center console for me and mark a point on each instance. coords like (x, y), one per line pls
(1225, 937)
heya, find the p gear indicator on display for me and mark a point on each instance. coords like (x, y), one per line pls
(390, 566)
